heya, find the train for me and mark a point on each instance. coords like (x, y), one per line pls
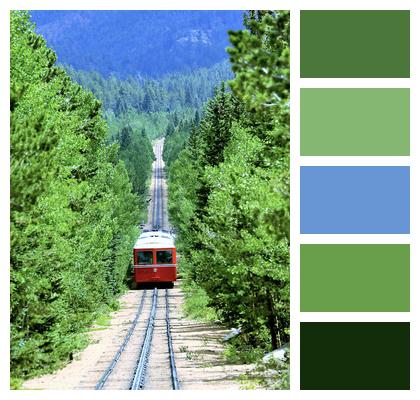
(154, 258)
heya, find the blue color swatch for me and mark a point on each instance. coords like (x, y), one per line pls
(340, 200)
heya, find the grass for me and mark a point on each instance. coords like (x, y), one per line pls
(103, 320)
(103, 317)
(238, 353)
(16, 383)
(273, 375)
(196, 303)
(192, 355)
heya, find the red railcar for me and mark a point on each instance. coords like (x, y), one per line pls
(155, 258)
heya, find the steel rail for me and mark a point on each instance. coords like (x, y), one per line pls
(162, 205)
(154, 212)
(160, 188)
(174, 375)
(141, 368)
(108, 371)
(156, 222)
(161, 222)
(159, 176)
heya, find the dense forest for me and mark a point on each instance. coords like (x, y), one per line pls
(126, 43)
(73, 210)
(229, 187)
(152, 104)
(139, 110)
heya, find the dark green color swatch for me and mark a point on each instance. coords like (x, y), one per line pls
(355, 277)
(355, 355)
(355, 44)
(355, 122)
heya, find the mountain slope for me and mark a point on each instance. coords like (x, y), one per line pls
(136, 43)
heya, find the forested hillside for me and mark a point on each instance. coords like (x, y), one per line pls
(139, 110)
(229, 187)
(152, 104)
(115, 54)
(73, 211)
(138, 43)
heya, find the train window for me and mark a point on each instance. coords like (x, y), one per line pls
(164, 257)
(145, 257)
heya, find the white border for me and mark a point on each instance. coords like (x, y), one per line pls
(211, 5)
(294, 6)
(354, 161)
(5, 196)
(294, 199)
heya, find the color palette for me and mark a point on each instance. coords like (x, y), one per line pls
(368, 198)
(355, 355)
(355, 122)
(355, 277)
(355, 44)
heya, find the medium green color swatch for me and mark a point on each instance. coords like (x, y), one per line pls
(355, 277)
(355, 44)
(355, 355)
(355, 122)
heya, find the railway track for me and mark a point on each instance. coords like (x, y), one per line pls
(141, 368)
(158, 347)
(125, 371)
(158, 214)
(101, 383)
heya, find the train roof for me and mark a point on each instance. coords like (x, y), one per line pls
(155, 239)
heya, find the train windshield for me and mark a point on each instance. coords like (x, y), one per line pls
(164, 257)
(145, 257)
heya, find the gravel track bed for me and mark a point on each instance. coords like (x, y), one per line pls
(197, 345)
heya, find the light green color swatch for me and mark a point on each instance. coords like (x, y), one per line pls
(355, 122)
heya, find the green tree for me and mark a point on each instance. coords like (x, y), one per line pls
(73, 213)
(229, 187)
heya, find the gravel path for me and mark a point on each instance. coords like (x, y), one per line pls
(197, 346)
(199, 350)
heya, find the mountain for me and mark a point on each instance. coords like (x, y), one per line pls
(138, 43)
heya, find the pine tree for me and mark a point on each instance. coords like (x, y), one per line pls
(125, 137)
(72, 211)
(229, 188)
(121, 106)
